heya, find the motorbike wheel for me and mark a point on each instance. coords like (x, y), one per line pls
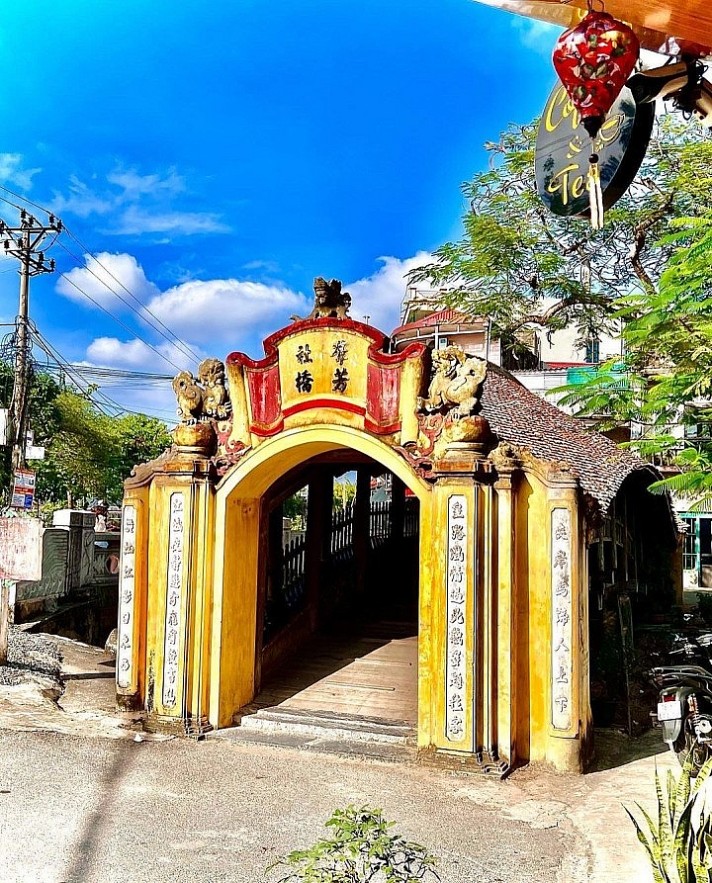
(688, 746)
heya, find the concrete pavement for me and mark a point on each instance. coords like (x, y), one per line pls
(81, 801)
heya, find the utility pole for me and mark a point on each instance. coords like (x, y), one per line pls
(24, 243)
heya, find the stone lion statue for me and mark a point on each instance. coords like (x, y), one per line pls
(205, 397)
(455, 383)
(189, 395)
(216, 400)
(329, 300)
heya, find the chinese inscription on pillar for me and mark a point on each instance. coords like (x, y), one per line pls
(561, 626)
(457, 545)
(173, 599)
(127, 588)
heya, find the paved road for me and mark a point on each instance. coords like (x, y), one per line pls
(80, 801)
(76, 810)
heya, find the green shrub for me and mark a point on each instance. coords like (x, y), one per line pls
(679, 841)
(361, 849)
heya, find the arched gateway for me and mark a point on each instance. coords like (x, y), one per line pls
(503, 483)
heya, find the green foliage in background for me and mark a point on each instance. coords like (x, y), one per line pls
(520, 265)
(667, 332)
(87, 453)
(361, 849)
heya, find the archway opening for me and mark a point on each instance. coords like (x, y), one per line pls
(338, 588)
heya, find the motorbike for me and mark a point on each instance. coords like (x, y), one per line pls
(685, 711)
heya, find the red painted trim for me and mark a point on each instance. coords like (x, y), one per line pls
(382, 430)
(267, 431)
(337, 404)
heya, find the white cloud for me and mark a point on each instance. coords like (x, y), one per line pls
(379, 296)
(81, 201)
(110, 352)
(134, 185)
(217, 316)
(136, 220)
(134, 204)
(227, 312)
(537, 35)
(11, 171)
(99, 280)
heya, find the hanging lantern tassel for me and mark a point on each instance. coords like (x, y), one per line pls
(595, 194)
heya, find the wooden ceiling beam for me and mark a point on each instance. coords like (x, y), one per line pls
(658, 23)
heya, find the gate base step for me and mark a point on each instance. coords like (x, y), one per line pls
(327, 725)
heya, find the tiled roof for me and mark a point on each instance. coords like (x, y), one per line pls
(518, 416)
(442, 317)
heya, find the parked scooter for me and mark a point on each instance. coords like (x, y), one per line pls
(685, 711)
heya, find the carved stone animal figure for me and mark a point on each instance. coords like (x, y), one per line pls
(190, 397)
(329, 300)
(455, 383)
(216, 400)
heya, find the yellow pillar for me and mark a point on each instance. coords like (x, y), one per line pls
(453, 664)
(173, 570)
(568, 716)
(133, 577)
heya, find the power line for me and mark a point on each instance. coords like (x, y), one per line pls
(24, 242)
(182, 348)
(166, 333)
(71, 371)
(173, 338)
(119, 321)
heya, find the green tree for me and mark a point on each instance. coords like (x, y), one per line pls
(663, 385)
(88, 454)
(645, 276)
(520, 265)
(138, 438)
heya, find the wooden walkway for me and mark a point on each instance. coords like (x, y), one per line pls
(373, 675)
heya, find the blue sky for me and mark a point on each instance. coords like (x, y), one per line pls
(216, 157)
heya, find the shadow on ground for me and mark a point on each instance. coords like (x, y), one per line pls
(614, 749)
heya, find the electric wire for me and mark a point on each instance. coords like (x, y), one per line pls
(166, 333)
(71, 371)
(85, 388)
(177, 343)
(119, 321)
(173, 337)
(75, 373)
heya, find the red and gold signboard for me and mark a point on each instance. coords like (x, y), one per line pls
(319, 365)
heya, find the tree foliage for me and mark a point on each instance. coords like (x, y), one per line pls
(663, 385)
(645, 276)
(520, 265)
(88, 454)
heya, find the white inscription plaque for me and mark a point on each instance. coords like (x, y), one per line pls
(458, 541)
(561, 625)
(127, 591)
(174, 585)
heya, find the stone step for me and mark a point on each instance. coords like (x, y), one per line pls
(327, 725)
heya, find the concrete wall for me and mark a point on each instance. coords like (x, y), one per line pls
(75, 561)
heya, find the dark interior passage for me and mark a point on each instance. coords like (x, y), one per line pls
(339, 613)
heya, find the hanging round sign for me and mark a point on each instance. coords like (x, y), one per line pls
(563, 146)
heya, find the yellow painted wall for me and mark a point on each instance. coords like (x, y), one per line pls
(507, 611)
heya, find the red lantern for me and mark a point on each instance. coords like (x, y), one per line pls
(593, 61)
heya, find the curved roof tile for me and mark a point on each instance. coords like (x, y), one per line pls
(518, 416)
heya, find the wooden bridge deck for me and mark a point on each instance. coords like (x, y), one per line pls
(372, 675)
